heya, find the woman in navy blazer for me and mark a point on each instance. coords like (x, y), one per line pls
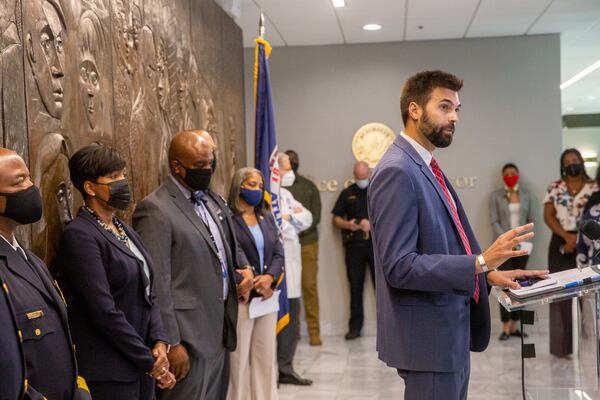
(115, 322)
(258, 236)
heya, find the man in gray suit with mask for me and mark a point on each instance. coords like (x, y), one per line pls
(188, 231)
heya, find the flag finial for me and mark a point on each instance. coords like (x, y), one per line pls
(261, 25)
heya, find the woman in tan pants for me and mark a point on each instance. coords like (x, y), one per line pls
(253, 373)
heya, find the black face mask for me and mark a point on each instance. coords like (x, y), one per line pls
(197, 179)
(119, 194)
(573, 170)
(25, 206)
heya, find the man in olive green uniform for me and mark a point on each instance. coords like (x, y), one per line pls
(306, 192)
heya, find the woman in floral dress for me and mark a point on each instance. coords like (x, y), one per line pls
(564, 203)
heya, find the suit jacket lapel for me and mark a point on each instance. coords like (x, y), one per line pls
(464, 221)
(187, 208)
(246, 231)
(268, 240)
(220, 220)
(49, 284)
(439, 191)
(112, 239)
(142, 274)
(139, 244)
(22, 268)
(410, 150)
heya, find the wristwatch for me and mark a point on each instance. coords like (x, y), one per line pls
(482, 263)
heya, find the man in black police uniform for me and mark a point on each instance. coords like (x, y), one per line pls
(40, 311)
(350, 215)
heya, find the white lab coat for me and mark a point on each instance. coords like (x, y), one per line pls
(291, 243)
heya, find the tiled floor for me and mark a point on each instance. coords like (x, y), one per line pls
(351, 370)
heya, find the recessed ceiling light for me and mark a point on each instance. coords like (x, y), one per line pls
(339, 3)
(580, 75)
(372, 27)
(591, 97)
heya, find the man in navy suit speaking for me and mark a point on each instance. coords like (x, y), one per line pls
(432, 277)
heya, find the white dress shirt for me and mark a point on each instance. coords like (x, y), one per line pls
(291, 243)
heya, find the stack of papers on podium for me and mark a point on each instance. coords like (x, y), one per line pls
(557, 281)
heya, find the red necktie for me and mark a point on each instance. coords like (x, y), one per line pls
(435, 168)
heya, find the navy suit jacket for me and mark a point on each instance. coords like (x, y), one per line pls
(426, 320)
(41, 317)
(114, 324)
(273, 252)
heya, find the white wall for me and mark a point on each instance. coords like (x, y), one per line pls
(511, 112)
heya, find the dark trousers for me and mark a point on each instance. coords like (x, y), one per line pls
(423, 385)
(142, 389)
(561, 325)
(203, 382)
(359, 256)
(288, 338)
(225, 376)
(509, 265)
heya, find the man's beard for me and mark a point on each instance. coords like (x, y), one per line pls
(435, 134)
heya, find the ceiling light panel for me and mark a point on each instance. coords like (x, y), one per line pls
(389, 14)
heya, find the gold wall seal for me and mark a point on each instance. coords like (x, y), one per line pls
(371, 141)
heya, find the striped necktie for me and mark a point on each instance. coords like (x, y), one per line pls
(439, 176)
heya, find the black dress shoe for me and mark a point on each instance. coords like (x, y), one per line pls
(352, 335)
(503, 336)
(518, 333)
(293, 379)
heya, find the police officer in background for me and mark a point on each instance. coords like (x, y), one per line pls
(350, 215)
(41, 316)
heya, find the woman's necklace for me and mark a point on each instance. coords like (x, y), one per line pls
(574, 187)
(121, 235)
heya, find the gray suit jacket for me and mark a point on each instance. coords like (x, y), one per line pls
(500, 215)
(188, 276)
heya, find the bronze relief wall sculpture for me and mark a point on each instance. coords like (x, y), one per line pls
(128, 73)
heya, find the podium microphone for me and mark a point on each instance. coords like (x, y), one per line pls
(591, 229)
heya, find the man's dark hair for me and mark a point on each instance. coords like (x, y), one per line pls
(418, 88)
(93, 161)
(294, 159)
(509, 165)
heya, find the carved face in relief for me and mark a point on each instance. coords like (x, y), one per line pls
(232, 140)
(182, 81)
(136, 27)
(147, 56)
(45, 26)
(209, 120)
(127, 26)
(90, 41)
(162, 88)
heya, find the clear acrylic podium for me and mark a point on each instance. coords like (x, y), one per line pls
(547, 377)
